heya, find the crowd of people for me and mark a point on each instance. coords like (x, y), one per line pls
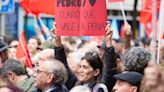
(71, 64)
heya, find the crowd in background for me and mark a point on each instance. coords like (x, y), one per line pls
(72, 64)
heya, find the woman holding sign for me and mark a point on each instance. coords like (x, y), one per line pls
(91, 69)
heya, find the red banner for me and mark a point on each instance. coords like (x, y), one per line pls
(38, 6)
(80, 18)
(22, 51)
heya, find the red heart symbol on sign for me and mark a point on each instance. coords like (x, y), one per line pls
(92, 2)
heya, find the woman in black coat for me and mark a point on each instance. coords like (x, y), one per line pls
(92, 69)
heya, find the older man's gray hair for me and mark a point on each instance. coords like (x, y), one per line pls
(57, 68)
(136, 59)
(13, 66)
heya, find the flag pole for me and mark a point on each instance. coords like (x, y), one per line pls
(154, 19)
(123, 12)
(161, 18)
(154, 28)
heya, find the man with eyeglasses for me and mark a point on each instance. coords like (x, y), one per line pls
(50, 76)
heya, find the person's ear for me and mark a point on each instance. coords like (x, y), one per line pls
(10, 75)
(96, 72)
(134, 89)
(50, 77)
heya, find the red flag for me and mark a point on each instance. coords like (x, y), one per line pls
(39, 6)
(116, 0)
(146, 14)
(145, 17)
(87, 18)
(22, 51)
(146, 11)
(122, 33)
(25, 5)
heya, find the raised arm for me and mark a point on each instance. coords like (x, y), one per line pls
(60, 55)
(110, 62)
(58, 47)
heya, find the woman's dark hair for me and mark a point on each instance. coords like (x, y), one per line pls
(94, 60)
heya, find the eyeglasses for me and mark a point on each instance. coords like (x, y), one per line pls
(39, 71)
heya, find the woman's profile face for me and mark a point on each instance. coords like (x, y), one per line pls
(86, 73)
